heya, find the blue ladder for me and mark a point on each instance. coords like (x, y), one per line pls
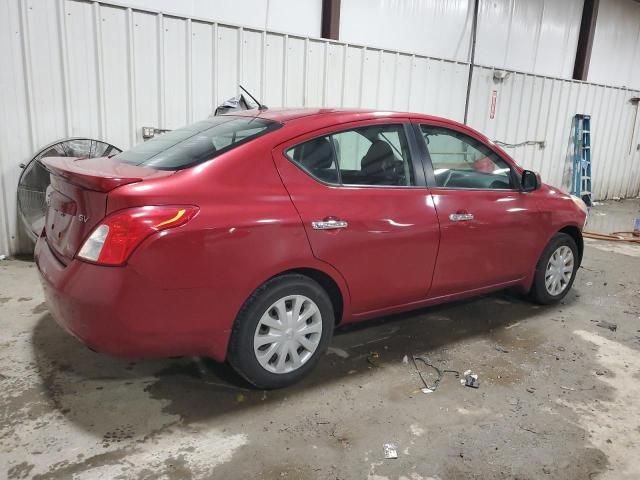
(582, 158)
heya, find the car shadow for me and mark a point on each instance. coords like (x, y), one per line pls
(82, 384)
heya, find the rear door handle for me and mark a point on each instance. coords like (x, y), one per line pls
(461, 217)
(331, 224)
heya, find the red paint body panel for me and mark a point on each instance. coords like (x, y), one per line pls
(63, 226)
(499, 245)
(100, 174)
(387, 253)
(180, 291)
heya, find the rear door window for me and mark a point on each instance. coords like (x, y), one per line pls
(197, 142)
(376, 155)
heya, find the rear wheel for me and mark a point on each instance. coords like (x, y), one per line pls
(281, 331)
(556, 270)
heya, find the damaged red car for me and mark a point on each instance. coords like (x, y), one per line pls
(249, 237)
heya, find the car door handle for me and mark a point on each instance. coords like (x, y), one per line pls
(461, 217)
(331, 224)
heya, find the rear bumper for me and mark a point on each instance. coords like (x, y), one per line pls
(116, 310)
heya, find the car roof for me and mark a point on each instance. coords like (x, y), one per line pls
(324, 117)
(285, 115)
(315, 118)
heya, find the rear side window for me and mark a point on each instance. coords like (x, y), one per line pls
(197, 142)
(376, 155)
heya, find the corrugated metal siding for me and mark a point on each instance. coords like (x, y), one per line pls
(438, 28)
(536, 36)
(615, 58)
(82, 68)
(513, 34)
(292, 16)
(539, 108)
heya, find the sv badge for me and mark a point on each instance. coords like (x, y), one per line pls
(83, 218)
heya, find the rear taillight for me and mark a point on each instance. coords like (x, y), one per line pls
(117, 236)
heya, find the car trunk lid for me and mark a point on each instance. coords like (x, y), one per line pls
(77, 197)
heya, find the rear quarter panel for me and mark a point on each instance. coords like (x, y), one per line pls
(247, 231)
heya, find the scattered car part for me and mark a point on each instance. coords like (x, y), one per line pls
(390, 450)
(440, 373)
(470, 379)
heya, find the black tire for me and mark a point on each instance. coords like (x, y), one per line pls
(241, 354)
(539, 293)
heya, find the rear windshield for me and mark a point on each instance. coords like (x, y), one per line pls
(197, 142)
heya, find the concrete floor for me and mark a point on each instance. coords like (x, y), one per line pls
(558, 396)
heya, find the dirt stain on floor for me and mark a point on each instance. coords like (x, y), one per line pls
(40, 308)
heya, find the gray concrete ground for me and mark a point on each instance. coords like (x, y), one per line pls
(558, 396)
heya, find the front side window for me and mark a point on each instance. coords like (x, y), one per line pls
(197, 142)
(376, 155)
(460, 161)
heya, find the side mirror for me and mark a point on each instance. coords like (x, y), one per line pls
(529, 181)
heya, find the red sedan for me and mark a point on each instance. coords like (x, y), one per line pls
(249, 237)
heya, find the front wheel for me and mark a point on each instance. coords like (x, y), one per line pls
(281, 331)
(556, 270)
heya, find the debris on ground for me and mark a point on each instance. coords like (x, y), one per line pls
(611, 326)
(601, 372)
(405, 359)
(630, 237)
(3, 257)
(337, 351)
(440, 373)
(529, 429)
(501, 301)
(531, 389)
(470, 379)
(374, 359)
(390, 450)
(501, 349)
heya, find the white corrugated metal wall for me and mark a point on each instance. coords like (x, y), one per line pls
(83, 68)
(437, 28)
(512, 34)
(537, 108)
(291, 16)
(615, 58)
